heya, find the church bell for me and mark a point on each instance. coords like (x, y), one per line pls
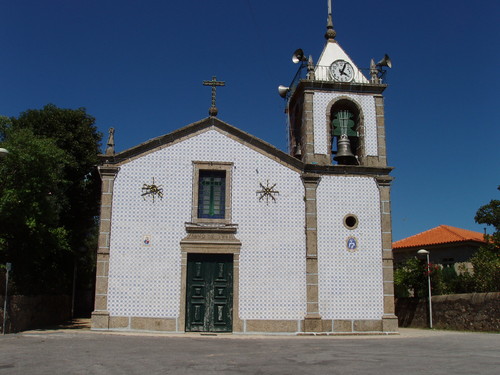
(344, 154)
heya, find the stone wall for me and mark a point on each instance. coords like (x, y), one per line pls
(27, 312)
(473, 312)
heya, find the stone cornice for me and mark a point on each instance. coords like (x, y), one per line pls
(347, 87)
(202, 235)
(108, 170)
(113, 161)
(196, 128)
(211, 228)
(347, 170)
(384, 180)
(311, 178)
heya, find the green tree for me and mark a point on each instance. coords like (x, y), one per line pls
(31, 203)
(410, 278)
(486, 261)
(50, 200)
(489, 214)
(74, 132)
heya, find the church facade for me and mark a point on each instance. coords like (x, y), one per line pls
(209, 229)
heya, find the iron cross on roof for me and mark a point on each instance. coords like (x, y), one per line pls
(214, 83)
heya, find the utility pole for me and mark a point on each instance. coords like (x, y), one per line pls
(8, 267)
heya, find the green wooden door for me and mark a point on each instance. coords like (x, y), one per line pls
(209, 299)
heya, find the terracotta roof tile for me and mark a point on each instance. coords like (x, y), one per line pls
(439, 235)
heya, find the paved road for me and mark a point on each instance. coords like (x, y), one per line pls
(85, 352)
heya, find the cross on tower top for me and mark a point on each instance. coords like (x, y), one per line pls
(212, 111)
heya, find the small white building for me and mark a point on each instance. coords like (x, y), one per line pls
(210, 229)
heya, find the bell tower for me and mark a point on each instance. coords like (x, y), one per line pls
(336, 113)
(337, 129)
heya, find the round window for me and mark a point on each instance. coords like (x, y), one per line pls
(350, 221)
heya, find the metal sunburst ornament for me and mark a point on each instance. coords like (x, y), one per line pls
(267, 192)
(152, 191)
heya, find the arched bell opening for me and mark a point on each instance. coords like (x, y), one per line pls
(295, 144)
(344, 130)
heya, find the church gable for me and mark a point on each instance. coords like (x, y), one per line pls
(194, 129)
(148, 227)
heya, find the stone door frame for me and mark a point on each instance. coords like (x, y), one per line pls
(205, 239)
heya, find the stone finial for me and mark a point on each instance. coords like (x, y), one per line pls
(374, 72)
(110, 149)
(330, 32)
(212, 111)
(310, 69)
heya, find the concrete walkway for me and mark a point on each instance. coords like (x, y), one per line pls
(82, 325)
(74, 349)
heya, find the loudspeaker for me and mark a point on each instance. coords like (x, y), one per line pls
(283, 90)
(298, 56)
(386, 61)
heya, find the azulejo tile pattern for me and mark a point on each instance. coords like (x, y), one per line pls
(272, 260)
(367, 104)
(350, 282)
(144, 280)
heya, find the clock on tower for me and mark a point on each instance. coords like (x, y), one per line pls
(331, 88)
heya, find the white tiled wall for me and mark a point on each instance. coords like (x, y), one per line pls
(145, 280)
(350, 282)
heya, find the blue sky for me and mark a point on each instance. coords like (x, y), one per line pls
(138, 66)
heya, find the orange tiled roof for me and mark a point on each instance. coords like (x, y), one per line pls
(439, 235)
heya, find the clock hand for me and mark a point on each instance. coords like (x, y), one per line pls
(342, 71)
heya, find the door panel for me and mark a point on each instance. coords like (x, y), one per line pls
(209, 293)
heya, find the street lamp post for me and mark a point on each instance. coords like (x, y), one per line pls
(3, 153)
(8, 268)
(426, 253)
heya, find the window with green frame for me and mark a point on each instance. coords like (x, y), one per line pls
(212, 194)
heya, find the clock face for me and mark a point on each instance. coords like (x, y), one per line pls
(341, 71)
